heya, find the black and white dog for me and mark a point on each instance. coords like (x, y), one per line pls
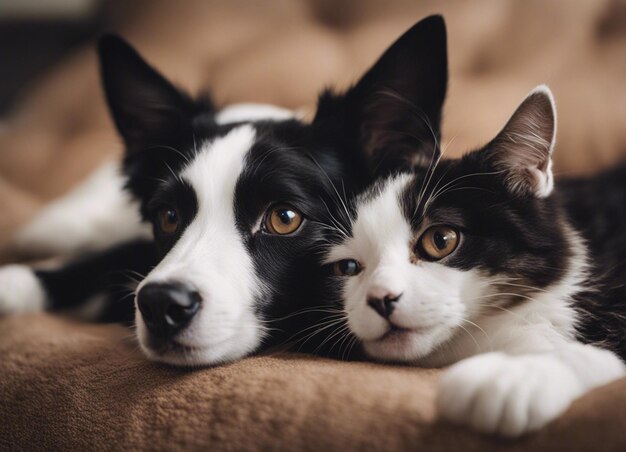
(241, 203)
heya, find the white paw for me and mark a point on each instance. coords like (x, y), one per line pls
(20, 290)
(507, 395)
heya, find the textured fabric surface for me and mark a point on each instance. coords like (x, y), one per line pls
(73, 386)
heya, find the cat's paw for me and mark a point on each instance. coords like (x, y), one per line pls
(20, 290)
(506, 395)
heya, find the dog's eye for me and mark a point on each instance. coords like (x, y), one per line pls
(283, 219)
(438, 242)
(346, 267)
(168, 220)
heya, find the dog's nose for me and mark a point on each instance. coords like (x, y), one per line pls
(167, 308)
(383, 305)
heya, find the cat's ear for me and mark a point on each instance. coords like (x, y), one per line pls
(522, 151)
(393, 113)
(146, 108)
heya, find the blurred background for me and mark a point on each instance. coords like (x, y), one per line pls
(54, 128)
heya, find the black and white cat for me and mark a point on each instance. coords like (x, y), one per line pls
(480, 263)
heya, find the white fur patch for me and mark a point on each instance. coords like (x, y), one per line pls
(496, 393)
(20, 290)
(249, 112)
(515, 394)
(211, 257)
(95, 215)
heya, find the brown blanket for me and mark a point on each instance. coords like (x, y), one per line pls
(67, 385)
(72, 386)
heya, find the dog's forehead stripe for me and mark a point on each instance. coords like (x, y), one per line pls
(214, 172)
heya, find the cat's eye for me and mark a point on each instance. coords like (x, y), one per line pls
(438, 242)
(282, 219)
(168, 220)
(346, 267)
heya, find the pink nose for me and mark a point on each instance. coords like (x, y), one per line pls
(382, 301)
(380, 292)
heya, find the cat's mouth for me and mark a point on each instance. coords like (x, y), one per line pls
(401, 344)
(398, 333)
(394, 331)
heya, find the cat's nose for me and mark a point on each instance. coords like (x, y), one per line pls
(383, 304)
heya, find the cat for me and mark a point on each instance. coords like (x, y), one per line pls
(481, 264)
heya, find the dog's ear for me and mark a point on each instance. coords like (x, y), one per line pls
(146, 108)
(393, 114)
(154, 118)
(522, 152)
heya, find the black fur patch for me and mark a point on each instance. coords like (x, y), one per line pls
(597, 207)
(521, 237)
(111, 273)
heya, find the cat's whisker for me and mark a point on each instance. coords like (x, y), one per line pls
(306, 311)
(325, 327)
(324, 323)
(330, 337)
(479, 327)
(427, 179)
(355, 342)
(508, 311)
(505, 294)
(432, 200)
(533, 288)
(470, 335)
(449, 184)
(141, 276)
(345, 343)
(443, 152)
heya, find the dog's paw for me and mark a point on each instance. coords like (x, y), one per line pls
(20, 290)
(506, 395)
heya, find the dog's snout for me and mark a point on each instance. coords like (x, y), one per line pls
(383, 305)
(167, 308)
